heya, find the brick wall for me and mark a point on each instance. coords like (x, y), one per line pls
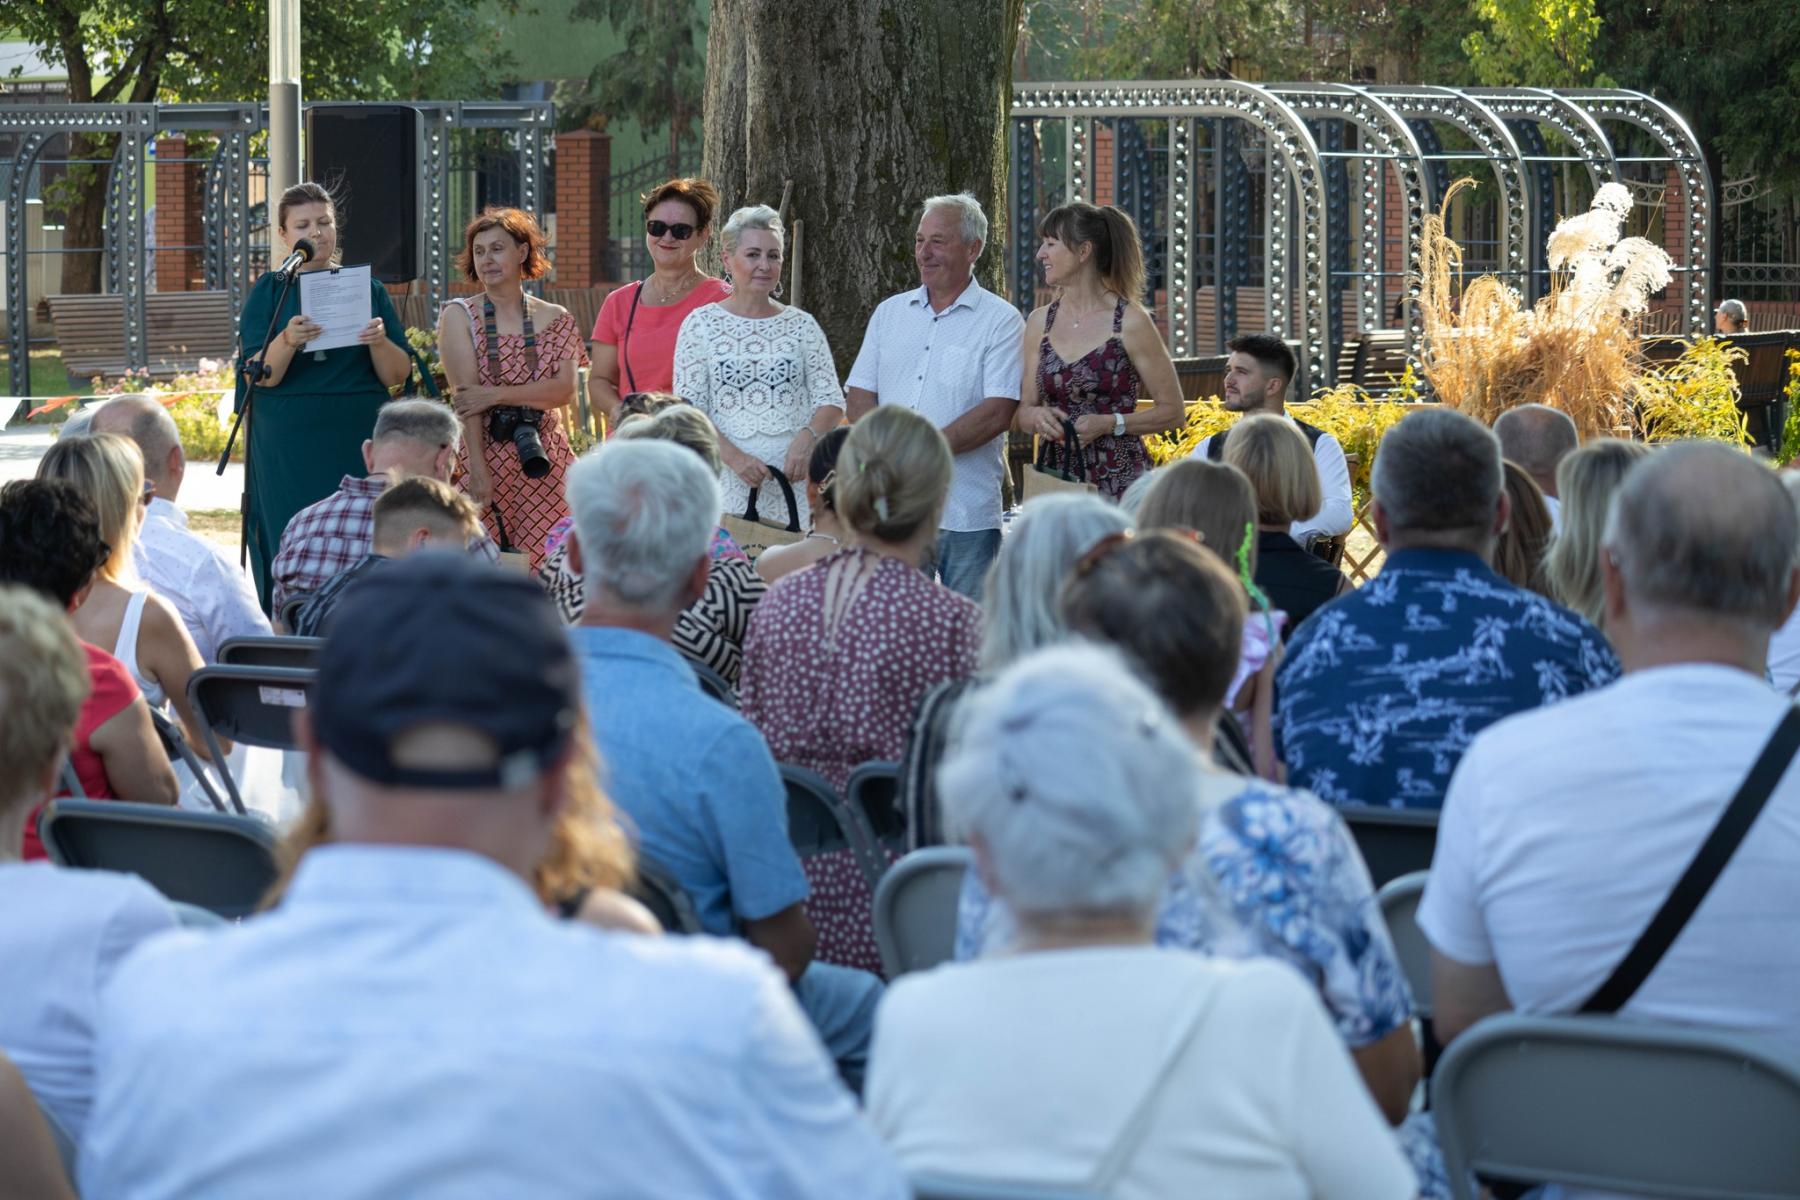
(179, 204)
(583, 168)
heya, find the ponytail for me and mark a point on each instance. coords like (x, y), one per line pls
(892, 475)
(1118, 251)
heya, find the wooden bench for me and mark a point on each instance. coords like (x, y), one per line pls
(181, 328)
(1374, 361)
(1762, 382)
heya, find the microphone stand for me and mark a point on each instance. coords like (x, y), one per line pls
(249, 375)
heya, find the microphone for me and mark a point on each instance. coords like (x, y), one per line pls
(302, 253)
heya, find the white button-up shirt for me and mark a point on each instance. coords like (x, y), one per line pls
(941, 365)
(211, 594)
(410, 1022)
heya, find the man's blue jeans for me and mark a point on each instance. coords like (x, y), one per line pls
(961, 559)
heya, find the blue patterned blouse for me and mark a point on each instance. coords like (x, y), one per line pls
(1383, 689)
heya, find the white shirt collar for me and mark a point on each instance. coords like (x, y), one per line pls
(363, 873)
(921, 296)
(167, 510)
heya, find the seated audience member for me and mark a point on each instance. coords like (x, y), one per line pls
(140, 628)
(1049, 536)
(1538, 438)
(694, 778)
(415, 513)
(34, 1168)
(212, 595)
(411, 437)
(410, 977)
(1223, 1076)
(1520, 549)
(1279, 465)
(711, 631)
(839, 658)
(1588, 479)
(70, 928)
(1216, 501)
(1282, 863)
(827, 533)
(1383, 688)
(1784, 647)
(1564, 831)
(50, 543)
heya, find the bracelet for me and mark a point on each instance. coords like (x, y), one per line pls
(807, 430)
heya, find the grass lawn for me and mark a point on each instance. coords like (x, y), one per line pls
(220, 525)
(48, 380)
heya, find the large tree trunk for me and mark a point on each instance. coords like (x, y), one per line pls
(84, 214)
(866, 108)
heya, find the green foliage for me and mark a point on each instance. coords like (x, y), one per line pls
(1790, 430)
(659, 78)
(1534, 43)
(1696, 396)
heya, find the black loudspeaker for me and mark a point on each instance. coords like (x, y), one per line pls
(367, 155)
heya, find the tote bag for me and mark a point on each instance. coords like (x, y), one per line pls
(1041, 480)
(754, 533)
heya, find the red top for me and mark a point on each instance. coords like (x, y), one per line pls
(113, 692)
(650, 350)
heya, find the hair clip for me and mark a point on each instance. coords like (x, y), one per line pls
(881, 507)
(1243, 565)
(1098, 552)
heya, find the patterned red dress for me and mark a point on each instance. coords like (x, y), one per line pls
(529, 506)
(1103, 381)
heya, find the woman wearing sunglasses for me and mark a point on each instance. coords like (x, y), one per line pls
(634, 337)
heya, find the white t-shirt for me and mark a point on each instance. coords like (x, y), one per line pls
(1564, 830)
(66, 930)
(941, 365)
(1027, 1067)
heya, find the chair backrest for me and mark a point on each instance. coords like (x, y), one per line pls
(253, 705)
(1393, 841)
(290, 609)
(300, 653)
(945, 1187)
(218, 861)
(1399, 900)
(915, 908)
(714, 685)
(873, 790)
(1600, 1102)
(819, 822)
(667, 901)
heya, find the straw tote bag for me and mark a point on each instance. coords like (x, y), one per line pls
(754, 533)
(1041, 480)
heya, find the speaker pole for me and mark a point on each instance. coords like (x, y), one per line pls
(284, 103)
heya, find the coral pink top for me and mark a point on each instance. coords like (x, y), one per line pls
(649, 351)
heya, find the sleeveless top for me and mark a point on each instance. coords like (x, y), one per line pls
(1102, 381)
(126, 651)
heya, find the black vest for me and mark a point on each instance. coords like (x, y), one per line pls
(1215, 449)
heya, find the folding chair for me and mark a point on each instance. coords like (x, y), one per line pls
(873, 790)
(298, 652)
(714, 685)
(944, 1187)
(1393, 841)
(915, 908)
(290, 609)
(216, 861)
(1399, 900)
(657, 891)
(1601, 1102)
(819, 822)
(254, 705)
(177, 748)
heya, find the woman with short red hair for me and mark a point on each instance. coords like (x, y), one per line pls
(512, 362)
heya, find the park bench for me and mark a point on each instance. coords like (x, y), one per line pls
(1762, 382)
(180, 329)
(1373, 361)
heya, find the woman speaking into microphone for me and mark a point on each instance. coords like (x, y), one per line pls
(313, 409)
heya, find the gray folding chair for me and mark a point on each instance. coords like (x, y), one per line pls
(253, 705)
(944, 1187)
(1399, 900)
(217, 861)
(667, 901)
(819, 822)
(177, 748)
(873, 790)
(1601, 1102)
(1393, 841)
(915, 908)
(301, 653)
(290, 609)
(714, 685)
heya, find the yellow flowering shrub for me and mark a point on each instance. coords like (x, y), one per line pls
(1696, 396)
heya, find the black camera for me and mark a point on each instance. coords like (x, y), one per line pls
(512, 423)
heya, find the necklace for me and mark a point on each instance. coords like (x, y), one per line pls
(1075, 319)
(667, 296)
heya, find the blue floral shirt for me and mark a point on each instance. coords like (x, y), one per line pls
(1274, 874)
(1383, 689)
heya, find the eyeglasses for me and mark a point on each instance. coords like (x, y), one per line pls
(148, 495)
(681, 232)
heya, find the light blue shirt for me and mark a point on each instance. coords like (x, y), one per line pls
(702, 791)
(410, 1022)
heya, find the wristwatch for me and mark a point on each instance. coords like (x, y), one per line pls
(1118, 424)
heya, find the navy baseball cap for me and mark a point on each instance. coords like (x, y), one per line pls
(442, 638)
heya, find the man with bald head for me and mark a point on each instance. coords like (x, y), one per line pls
(1538, 437)
(1564, 831)
(211, 593)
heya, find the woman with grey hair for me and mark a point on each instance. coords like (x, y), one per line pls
(1091, 1058)
(761, 370)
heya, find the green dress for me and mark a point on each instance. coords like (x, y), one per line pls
(306, 432)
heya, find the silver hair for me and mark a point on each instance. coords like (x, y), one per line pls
(645, 513)
(426, 422)
(755, 216)
(1438, 471)
(1050, 534)
(972, 222)
(1537, 437)
(1076, 816)
(1706, 531)
(146, 422)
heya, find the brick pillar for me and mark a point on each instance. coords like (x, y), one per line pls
(583, 168)
(1105, 166)
(179, 204)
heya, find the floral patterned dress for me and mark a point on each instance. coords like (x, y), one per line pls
(1102, 382)
(530, 508)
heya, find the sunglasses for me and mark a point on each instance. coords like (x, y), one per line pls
(148, 495)
(681, 231)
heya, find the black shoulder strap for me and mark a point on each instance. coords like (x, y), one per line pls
(637, 294)
(1215, 449)
(1313, 432)
(1701, 873)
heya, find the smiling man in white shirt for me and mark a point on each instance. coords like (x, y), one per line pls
(950, 351)
(410, 1021)
(211, 594)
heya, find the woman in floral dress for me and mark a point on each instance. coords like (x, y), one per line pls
(508, 352)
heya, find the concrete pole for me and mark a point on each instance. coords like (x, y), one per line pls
(284, 106)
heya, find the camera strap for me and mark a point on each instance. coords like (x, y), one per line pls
(493, 340)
